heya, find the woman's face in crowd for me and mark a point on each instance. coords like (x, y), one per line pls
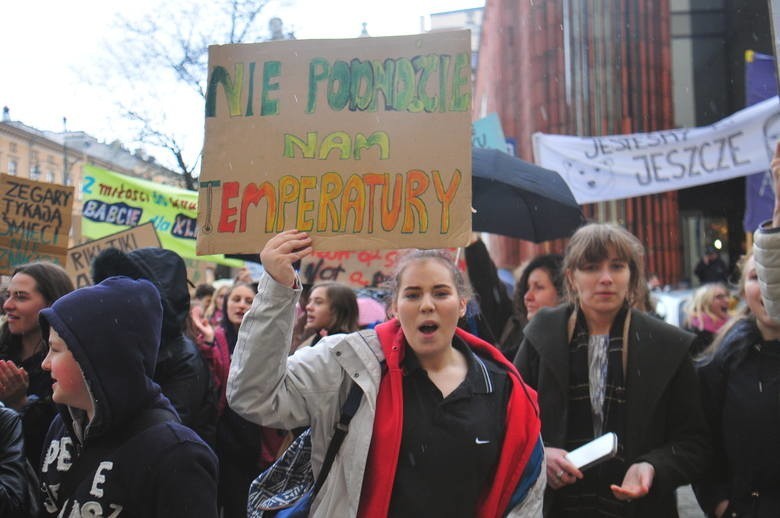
(428, 306)
(318, 312)
(220, 302)
(239, 301)
(23, 304)
(754, 301)
(720, 303)
(541, 292)
(602, 287)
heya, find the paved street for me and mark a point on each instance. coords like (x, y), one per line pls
(687, 505)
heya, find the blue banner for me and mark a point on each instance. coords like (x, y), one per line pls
(760, 84)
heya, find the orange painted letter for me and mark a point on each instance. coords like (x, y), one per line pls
(331, 186)
(416, 184)
(445, 197)
(289, 189)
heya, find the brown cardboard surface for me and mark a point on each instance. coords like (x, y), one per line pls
(80, 257)
(359, 269)
(34, 221)
(297, 137)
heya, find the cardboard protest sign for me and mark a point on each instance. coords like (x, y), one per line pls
(488, 133)
(113, 202)
(34, 221)
(364, 143)
(80, 257)
(359, 269)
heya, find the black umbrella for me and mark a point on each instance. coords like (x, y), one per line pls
(516, 198)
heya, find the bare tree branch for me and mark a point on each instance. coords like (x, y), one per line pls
(172, 45)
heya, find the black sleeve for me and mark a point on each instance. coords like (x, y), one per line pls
(494, 301)
(13, 469)
(527, 362)
(684, 456)
(187, 483)
(185, 380)
(714, 485)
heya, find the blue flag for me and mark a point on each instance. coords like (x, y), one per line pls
(760, 84)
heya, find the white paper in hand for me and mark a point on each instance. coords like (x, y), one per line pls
(597, 450)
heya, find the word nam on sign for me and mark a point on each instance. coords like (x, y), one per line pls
(333, 203)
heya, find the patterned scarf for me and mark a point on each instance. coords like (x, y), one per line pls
(591, 496)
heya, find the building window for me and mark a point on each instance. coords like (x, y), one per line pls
(50, 176)
(12, 147)
(12, 166)
(35, 172)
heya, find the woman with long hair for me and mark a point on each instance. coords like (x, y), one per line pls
(539, 286)
(740, 379)
(599, 365)
(706, 313)
(331, 308)
(24, 385)
(445, 426)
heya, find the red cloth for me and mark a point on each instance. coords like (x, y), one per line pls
(522, 429)
(217, 356)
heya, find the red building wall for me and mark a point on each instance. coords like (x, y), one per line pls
(583, 67)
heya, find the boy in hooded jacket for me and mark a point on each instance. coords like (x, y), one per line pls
(116, 447)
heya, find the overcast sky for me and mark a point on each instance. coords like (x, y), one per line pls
(46, 43)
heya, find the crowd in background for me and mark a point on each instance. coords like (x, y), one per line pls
(181, 390)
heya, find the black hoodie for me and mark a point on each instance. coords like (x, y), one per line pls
(123, 463)
(181, 371)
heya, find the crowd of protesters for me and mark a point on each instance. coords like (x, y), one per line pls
(132, 397)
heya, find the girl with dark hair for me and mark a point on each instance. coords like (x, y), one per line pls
(24, 385)
(445, 425)
(332, 308)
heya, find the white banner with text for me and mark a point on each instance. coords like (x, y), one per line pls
(614, 167)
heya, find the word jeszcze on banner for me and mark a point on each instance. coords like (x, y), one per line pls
(625, 166)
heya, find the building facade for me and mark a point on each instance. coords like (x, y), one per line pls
(58, 157)
(601, 67)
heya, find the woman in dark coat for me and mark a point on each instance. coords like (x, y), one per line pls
(540, 285)
(740, 379)
(600, 366)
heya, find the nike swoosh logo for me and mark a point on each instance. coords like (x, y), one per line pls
(480, 441)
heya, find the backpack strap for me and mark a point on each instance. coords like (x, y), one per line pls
(348, 411)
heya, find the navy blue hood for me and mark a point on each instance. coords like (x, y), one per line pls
(166, 269)
(113, 330)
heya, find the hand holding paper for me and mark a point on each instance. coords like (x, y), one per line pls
(560, 472)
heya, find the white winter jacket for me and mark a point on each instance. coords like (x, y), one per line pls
(766, 252)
